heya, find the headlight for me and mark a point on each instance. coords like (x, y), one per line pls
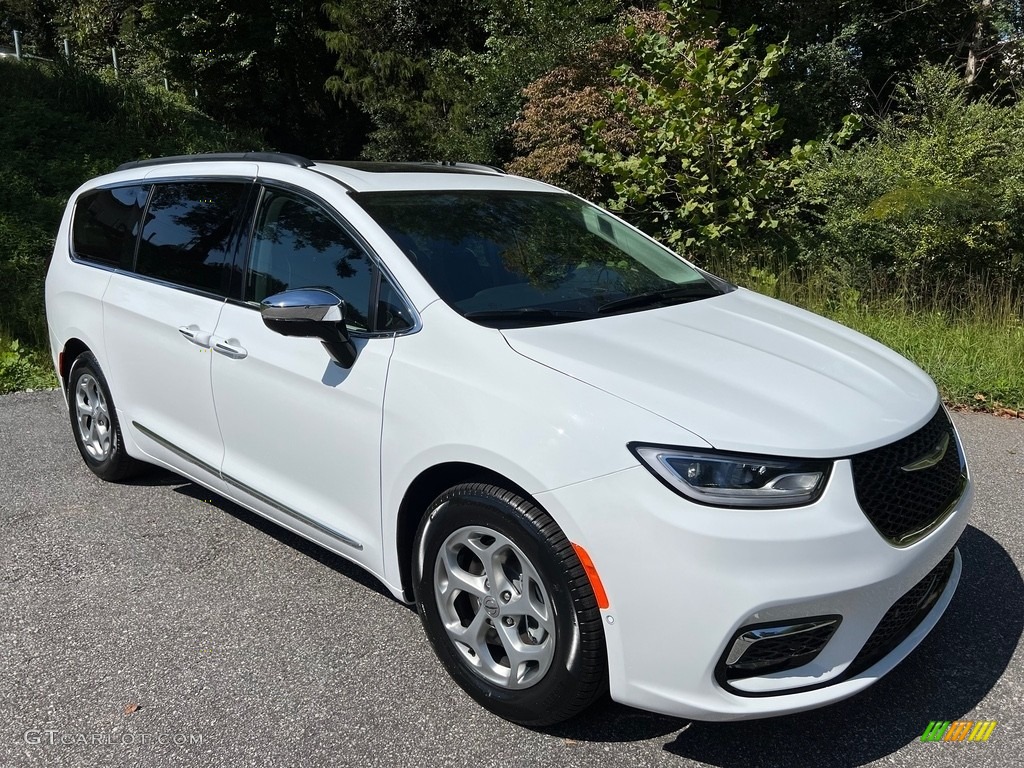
(736, 479)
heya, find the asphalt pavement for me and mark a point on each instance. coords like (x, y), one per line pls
(155, 624)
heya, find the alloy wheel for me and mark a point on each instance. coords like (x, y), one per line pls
(92, 417)
(495, 607)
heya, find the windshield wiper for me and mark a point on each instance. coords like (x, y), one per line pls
(673, 293)
(527, 315)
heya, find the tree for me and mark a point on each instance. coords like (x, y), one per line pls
(995, 44)
(35, 20)
(444, 80)
(550, 135)
(383, 59)
(256, 64)
(851, 56)
(701, 174)
(93, 27)
(524, 41)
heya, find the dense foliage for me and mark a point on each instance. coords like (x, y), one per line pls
(938, 191)
(839, 144)
(573, 104)
(255, 67)
(63, 125)
(853, 56)
(699, 171)
(442, 79)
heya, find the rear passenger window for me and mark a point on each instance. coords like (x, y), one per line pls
(298, 245)
(188, 235)
(106, 224)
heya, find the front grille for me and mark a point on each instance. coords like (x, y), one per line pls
(904, 616)
(901, 504)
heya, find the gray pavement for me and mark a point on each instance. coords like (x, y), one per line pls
(243, 645)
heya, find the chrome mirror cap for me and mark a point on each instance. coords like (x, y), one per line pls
(311, 313)
(305, 304)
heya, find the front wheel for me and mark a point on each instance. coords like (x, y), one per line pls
(507, 605)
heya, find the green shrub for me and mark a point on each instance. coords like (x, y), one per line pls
(939, 191)
(702, 172)
(21, 369)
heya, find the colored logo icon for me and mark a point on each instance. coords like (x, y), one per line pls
(958, 730)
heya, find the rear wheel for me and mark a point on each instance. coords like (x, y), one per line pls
(507, 605)
(94, 422)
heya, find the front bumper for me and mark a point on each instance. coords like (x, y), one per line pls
(683, 579)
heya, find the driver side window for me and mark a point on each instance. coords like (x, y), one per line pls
(298, 245)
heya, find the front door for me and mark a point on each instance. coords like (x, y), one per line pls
(301, 433)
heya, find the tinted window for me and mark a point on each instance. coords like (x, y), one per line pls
(298, 245)
(106, 224)
(392, 312)
(187, 237)
(529, 257)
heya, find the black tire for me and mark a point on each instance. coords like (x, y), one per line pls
(567, 685)
(115, 464)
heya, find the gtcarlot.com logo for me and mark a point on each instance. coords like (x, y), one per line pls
(54, 737)
(958, 730)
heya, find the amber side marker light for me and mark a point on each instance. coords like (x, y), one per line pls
(595, 580)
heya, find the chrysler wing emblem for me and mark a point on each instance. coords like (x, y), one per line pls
(930, 459)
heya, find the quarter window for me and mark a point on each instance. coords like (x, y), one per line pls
(188, 235)
(106, 225)
(393, 314)
(298, 245)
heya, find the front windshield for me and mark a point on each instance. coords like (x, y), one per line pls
(525, 258)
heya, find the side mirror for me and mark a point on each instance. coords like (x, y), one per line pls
(311, 313)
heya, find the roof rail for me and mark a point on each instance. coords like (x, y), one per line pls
(253, 157)
(415, 166)
(469, 166)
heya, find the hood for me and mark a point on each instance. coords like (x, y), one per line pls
(745, 373)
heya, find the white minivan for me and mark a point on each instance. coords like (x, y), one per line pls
(591, 465)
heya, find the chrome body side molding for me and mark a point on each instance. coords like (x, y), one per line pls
(186, 456)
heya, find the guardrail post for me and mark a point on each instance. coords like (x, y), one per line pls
(113, 56)
(17, 45)
(67, 49)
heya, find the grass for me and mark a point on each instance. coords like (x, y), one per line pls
(967, 334)
(975, 362)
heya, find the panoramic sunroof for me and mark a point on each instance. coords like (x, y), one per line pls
(422, 167)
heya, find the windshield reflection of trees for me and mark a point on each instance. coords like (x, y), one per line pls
(538, 239)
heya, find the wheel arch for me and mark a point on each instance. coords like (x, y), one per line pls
(73, 347)
(426, 487)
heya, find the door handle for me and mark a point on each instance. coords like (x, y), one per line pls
(230, 348)
(196, 335)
